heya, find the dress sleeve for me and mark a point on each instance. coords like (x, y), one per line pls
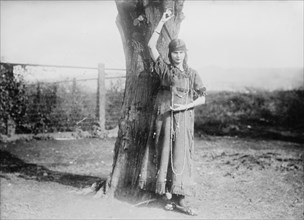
(162, 69)
(198, 86)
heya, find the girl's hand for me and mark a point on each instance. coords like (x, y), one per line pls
(168, 14)
(178, 107)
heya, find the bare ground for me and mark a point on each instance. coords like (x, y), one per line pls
(237, 178)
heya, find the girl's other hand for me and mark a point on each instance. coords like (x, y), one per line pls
(178, 107)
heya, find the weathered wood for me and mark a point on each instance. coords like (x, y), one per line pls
(101, 97)
(136, 22)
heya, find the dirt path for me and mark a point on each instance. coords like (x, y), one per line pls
(236, 179)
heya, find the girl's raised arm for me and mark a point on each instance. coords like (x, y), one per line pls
(153, 40)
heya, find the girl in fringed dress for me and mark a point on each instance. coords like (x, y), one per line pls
(167, 164)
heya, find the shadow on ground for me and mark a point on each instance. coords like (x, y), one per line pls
(9, 163)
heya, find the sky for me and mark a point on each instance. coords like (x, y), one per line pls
(244, 33)
(217, 33)
(229, 42)
(62, 33)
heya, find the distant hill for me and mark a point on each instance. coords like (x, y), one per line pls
(235, 79)
(215, 78)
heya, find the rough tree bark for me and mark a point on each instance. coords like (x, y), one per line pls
(136, 22)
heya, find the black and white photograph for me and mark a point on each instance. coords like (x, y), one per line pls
(151, 109)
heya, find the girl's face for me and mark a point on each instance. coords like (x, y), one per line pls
(178, 57)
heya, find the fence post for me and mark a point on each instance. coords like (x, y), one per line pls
(101, 97)
(74, 86)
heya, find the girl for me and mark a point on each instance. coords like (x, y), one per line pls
(167, 166)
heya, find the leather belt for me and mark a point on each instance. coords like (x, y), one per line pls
(177, 88)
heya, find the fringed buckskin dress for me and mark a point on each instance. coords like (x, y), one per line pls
(167, 163)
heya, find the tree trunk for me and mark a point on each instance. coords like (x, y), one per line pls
(136, 21)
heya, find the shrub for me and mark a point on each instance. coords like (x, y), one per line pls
(282, 109)
(13, 99)
(59, 107)
(54, 107)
